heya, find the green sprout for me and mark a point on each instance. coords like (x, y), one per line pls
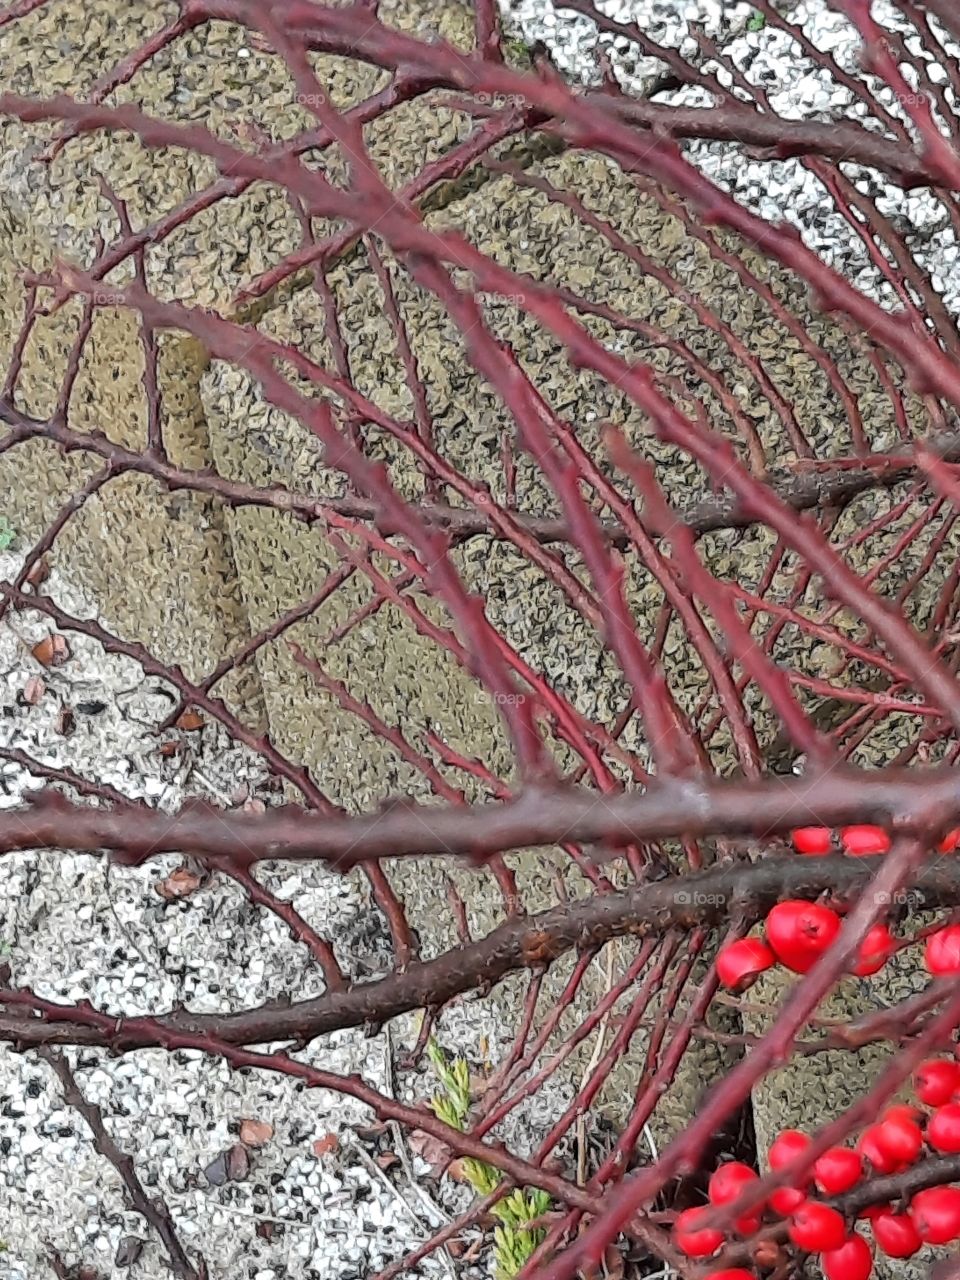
(514, 1241)
(757, 21)
(7, 533)
(517, 52)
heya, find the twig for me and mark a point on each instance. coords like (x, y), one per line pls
(155, 1213)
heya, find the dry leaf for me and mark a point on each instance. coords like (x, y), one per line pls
(255, 1133)
(455, 1171)
(189, 721)
(171, 748)
(253, 805)
(39, 573)
(66, 721)
(178, 884)
(323, 1146)
(386, 1159)
(430, 1149)
(33, 691)
(51, 651)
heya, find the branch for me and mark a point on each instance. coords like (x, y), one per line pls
(839, 140)
(740, 891)
(921, 800)
(831, 483)
(157, 1215)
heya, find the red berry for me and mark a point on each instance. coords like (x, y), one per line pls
(874, 952)
(936, 1213)
(950, 841)
(837, 1170)
(873, 1210)
(896, 1234)
(943, 1131)
(693, 1240)
(904, 1111)
(935, 1080)
(942, 954)
(817, 1228)
(852, 1261)
(812, 840)
(785, 1199)
(738, 963)
(786, 1146)
(862, 840)
(898, 1137)
(731, 1273)
(799, 932)
(878, 1155)
(727, 1183)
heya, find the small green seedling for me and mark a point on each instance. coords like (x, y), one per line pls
(7, 533)
(514, 1241)
(757, 21)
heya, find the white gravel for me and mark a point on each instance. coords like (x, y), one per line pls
(799, 89)
(74, 929)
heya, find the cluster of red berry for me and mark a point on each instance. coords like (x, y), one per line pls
(859, 841)
(891, 1145)
(797, 933)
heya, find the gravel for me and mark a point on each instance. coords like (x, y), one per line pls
(74, 928)
(798, 88)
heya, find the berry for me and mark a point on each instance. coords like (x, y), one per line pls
(943, 1131)
(896, 1234)
(786, 1146)
(727, 1183)
(799, 932)
(872, 1210)
(837, 1170)
(785, 1199)
(950, 842)
(876, 1153)
(874, 952)
(812, 840)
(898, 1137)
(904, 1111)
(936, 1213)
(693, 1240)
(862, 840)
(942, 954)
(852, 1261)
(731, 1273)
(817, 1228)
(934, 1081)
(738, 963)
